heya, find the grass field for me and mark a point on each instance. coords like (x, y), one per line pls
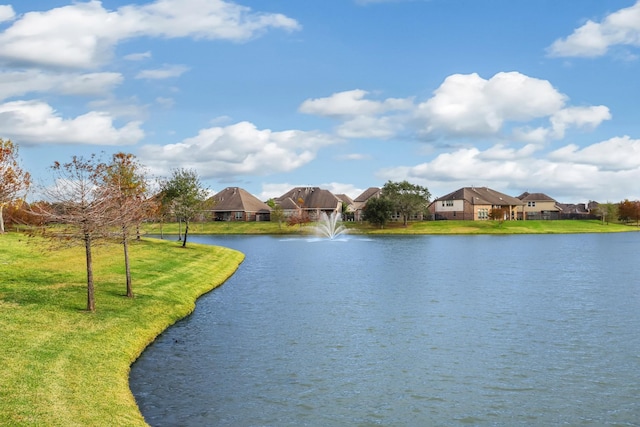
(62, 366)
(419, 227)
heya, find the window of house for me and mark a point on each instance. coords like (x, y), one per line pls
(238, 215)
(531, 204)
(449, 202)
(483, 213)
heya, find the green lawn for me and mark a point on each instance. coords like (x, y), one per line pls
(62, 366)
(419, 227)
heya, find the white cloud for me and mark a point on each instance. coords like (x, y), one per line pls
(238, 149)
(363, 118)
(466, 104)
(354, 156)
(165, 102)
(138, 56)
(83, 35)
(18, 83)
(615, 154)
(508, 105)
(369, 127)
(35, 122)
(6, 13)
(166, 72)
(581, 117)
(352, 103)
(594, 39)
(608, 170)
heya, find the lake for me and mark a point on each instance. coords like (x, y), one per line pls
(407, 331)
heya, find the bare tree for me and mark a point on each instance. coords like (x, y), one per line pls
(13, 180)
(125, 185)
(79, 210)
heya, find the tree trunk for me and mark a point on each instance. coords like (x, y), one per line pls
(186, 231)
(1, 219)
(91, 302)
(127, 268)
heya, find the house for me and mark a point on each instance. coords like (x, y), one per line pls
(578, 210)
(348, 208)
(475, 203)
(538, 206)
(309, 201)
(360, 201)
(236, 204)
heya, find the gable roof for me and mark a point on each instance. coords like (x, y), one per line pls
(312, 197)
(235, 199)
(482, 196)
(367, 194)
(538, 197)
(345, 199)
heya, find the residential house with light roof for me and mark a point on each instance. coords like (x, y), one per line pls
(360, 202)
(538, 206)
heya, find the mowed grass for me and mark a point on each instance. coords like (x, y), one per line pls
(418, 227)
(504, 227)
(63, 366)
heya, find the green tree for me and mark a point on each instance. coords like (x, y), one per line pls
(126, 184)
(606, 211)
(378, 211)
(13, 180)
(185, 196)
(408, 199)
(277, 213)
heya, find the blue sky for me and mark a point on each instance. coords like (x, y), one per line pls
(538, 96)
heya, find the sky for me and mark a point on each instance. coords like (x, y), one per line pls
(538, 96)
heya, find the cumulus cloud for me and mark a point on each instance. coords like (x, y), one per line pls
(608, 170)
(595, 38)
(351, 103)
(508, 105)
(35, 122)
(468, 105)
(581, 117)
(615, 154)
(83, 35)
(141, 56)
(362, 118)
(6, 13)
(18, 83)
(238, 149)
(166, 72)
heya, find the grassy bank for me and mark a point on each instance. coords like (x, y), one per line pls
(62, 366)
(420, 227)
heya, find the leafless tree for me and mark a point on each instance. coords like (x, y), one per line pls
(80, 209)
(125, 185)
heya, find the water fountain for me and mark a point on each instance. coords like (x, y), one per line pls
(330, 225)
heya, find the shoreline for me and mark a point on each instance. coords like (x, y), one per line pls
(67, 367)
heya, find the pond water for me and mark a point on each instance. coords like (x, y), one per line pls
(407, 331)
